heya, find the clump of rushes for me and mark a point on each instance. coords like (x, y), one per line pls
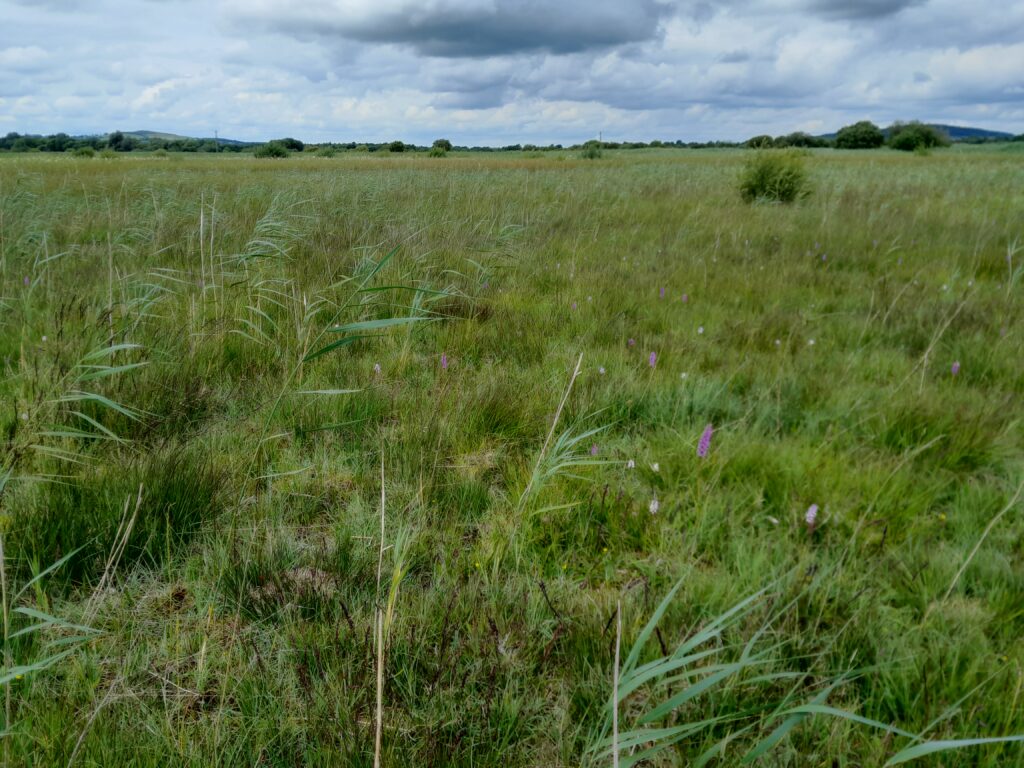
(668, 698)
(774, 176)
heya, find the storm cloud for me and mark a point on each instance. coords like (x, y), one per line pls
(506, 71)
(861, 9)
(469, 28)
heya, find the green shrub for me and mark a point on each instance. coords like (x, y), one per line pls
(272, 149)
(396, 146)
(759, 142)
(862, 135)
(915, 136)
(591, 150)
(85, 152)
(326, 152)
(436, 151)
(774, 175)
(443, 144)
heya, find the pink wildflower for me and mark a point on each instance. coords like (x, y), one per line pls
(705, 441)
(811, 518)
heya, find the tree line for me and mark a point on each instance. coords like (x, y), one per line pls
(909, 136)
(861, 135)
(114, 142)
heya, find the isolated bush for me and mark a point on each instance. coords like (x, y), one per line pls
(759, 142)
(272, 149)
(326, 152)
(916, 136)
(291, 144)
(85, 152)
(862, 135)
(396, 146)
(443, 144)
(777, 175)
(591, 150)
(116, 141)
(436, 151)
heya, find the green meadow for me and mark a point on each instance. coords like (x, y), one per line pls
(327, 461)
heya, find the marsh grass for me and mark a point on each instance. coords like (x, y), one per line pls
(246, 339)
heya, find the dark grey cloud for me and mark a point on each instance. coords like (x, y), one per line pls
(860, 10)
(473, 100)
(476, 29)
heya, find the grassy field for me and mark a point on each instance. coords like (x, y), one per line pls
(218, 371)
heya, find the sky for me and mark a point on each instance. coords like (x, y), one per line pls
(496, 72)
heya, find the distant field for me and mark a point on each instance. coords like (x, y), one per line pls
(211, 363)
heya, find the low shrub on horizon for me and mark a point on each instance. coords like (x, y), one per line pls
(913, 136)
(272, 149)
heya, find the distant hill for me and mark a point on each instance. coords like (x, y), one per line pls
(955, 133)
(176, 137)
(959, 132)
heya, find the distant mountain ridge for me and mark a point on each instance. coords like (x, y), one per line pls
(955, 132)
(162, 136)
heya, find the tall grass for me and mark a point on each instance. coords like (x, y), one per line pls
(753, 722)
(244, 339)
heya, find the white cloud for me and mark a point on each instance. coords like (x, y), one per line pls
(20, 58)
(505, 71)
